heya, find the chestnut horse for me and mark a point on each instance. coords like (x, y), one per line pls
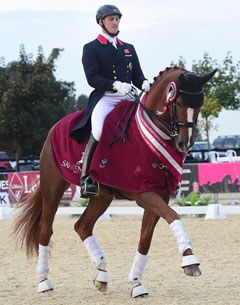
(164, 123)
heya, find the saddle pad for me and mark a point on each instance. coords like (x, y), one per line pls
(66, 151)
(129, 166)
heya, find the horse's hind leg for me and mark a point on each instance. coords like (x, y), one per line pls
(84, 227)
(149, 222)
(52, 188)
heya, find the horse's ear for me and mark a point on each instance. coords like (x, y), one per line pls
(206, 77)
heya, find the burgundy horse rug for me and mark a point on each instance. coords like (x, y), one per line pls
(132, 154)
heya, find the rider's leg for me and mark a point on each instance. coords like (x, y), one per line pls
(88, 186)
(100, 111)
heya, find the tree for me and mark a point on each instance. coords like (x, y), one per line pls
(223, 90)
(31, 101)
(81, 101)
(209, 110)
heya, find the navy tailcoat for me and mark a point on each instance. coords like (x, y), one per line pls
(104, 64)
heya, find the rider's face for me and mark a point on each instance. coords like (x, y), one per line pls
(112, 23)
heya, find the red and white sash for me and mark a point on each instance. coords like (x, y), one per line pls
(159, 144)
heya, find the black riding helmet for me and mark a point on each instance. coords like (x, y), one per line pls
(107, 10)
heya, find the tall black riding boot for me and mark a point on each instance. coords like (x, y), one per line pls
(88, 186)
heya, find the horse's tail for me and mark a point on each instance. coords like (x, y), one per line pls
(26, 224)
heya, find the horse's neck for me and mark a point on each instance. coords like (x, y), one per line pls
(155, 101)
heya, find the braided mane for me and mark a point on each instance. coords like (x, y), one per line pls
(166, 70)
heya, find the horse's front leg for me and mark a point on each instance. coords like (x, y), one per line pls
(149, 222)
(84, 227)
(154, 202)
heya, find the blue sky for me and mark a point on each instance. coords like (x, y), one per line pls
(161, 32)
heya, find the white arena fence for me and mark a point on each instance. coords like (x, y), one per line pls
(189, 210)
(212, 211)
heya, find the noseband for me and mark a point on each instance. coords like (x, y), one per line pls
(175, 125)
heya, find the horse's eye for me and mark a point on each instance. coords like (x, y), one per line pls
(179, 104)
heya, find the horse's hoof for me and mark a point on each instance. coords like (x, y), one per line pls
(190, 264)
(192, 270)
(139, 291)
(100, 280)
(45, 286)
(100, 286)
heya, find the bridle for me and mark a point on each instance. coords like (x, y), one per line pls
(172, 94)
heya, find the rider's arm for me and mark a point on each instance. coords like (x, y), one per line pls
(91, 65)
(137, 76)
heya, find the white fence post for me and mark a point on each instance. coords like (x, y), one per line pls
(215, 211)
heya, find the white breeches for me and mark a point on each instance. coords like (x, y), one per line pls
(102, 109)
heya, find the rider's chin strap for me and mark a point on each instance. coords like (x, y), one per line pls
(171, 96)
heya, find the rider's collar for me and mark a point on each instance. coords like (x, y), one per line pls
(103, 38)
(108, 37)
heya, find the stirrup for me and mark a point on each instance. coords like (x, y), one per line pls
(89, 187)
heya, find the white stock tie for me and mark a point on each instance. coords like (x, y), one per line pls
(113, 41)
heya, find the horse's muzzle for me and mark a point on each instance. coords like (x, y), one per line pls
(183, 144)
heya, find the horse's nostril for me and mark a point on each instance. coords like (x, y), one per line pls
(182, 146)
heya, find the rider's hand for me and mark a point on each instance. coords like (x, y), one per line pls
(145, 85)
(123, 88)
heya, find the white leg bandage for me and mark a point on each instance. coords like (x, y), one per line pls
(95, 252)
(42, 266)
(181, 236)
(138, 266)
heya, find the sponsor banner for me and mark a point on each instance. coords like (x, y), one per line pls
(3, 186)
(219, 177)
(189, 179)
(21, 184)
(4, 199)
(211, 178)
(205, 177)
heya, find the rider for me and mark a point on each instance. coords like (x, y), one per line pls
(110, 66)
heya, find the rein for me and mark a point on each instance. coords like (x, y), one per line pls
(171, 98)
(171, 129)
(137, 100)
(172, 93)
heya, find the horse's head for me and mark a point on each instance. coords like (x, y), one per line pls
(175, 98)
